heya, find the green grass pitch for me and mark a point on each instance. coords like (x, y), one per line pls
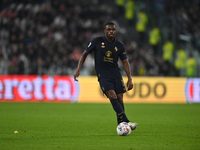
(52, 126)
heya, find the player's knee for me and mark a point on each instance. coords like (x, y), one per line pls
(111, 95)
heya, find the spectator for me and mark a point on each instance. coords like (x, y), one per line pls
(141, 69)
(154, 39)
(167, 56)
(43, 29)
(190, 66)
(141, 23)
(65, 65)
(129, 11)
(163, 69)
(12, 67)
(179, 63)
(3, 62)
(120, 6)
(22, 64)
(38, 67)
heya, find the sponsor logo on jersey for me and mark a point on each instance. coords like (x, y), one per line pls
(116, 48)
(102, 45)
(108, 53)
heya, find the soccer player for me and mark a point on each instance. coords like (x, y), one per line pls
(107, 50)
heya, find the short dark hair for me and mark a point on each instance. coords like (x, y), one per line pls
(109, 23)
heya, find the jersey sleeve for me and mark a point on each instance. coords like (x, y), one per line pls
(92, 46)
(122, 54)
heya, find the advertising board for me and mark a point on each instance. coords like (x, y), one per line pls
(145, 90)
(192, 90)
(32, 88)
(38, 88)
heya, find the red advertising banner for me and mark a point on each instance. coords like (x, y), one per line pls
(38, 88)
(33, 88)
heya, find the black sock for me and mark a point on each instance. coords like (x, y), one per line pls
(122, 106)
(118, 119)
(121, 116)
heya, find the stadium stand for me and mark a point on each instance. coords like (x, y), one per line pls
(48, 36)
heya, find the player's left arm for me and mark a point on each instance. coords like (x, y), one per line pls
(128, 73)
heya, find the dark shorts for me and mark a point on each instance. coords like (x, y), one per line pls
(112, 84)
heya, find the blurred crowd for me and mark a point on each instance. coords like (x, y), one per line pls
(48, 36)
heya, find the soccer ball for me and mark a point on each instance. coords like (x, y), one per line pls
(123, 129)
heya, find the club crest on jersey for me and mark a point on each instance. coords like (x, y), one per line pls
(102, 45)
(89, 44)
(116, 48)
(108, 53)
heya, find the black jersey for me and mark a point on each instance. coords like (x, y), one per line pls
(106, 56)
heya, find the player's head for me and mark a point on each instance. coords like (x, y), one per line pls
(110, 30)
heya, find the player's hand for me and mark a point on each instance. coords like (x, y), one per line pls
(129, 85)
(76, 75)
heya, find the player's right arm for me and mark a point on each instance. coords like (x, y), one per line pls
(80, 63)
